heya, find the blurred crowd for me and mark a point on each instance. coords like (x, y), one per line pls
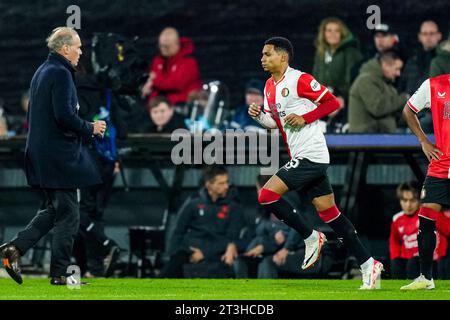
(372, 86)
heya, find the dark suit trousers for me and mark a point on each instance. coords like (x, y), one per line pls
(93, 203)
(60, 212)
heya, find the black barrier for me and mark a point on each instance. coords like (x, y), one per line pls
(155, 151)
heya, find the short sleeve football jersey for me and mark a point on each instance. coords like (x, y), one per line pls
(297, 92)
(434, 93)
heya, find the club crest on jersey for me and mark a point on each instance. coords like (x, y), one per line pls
(285, 92)
(315, 86)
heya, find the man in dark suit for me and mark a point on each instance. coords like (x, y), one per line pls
(55, 161)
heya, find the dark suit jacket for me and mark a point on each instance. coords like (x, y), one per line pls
(54, 156)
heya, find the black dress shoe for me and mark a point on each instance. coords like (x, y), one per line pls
(62, 281)
(11, 261)
(110, 260)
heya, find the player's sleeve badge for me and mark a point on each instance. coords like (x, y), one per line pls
(315, 86)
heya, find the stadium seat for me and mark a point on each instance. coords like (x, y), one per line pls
(147, 243)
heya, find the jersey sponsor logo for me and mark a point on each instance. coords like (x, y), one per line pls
(441, 95)
(285, 92)
(268, 94)
(274, 107)
(315, 86)
(410, 241)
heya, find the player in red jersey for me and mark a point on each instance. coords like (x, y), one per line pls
(434, 93)
(294, 102)
(403, 246)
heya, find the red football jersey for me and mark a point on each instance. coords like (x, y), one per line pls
(403, 238)
(434, 93)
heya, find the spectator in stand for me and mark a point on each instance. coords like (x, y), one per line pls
(416, 69)
(384, 39)
(24, 102)
(3, 127)
(174, 72)
(18, 123)
(164, 119)
(270, 236)
(277, 249)
(197, 105)
(374, 101)
(254, 93)
(418, 65)
(3, 122)
(336, 54)
(441, 63)
(404, 252)
(207, 228)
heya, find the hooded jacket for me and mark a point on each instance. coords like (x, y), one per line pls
(373, 101)
(337, 73)
(176, 76)
(441, 63)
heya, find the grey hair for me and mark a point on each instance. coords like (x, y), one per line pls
(59, 37)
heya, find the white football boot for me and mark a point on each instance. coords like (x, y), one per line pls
(312, 249)
(371, 276)
(420, 283)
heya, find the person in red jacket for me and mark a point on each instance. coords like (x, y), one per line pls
(404, 251)
(174, 72)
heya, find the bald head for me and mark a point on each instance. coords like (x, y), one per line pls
(66, 42)
(429, 35)
(59, 37)
(169, 42)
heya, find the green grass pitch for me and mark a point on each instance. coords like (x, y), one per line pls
(214, 289)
